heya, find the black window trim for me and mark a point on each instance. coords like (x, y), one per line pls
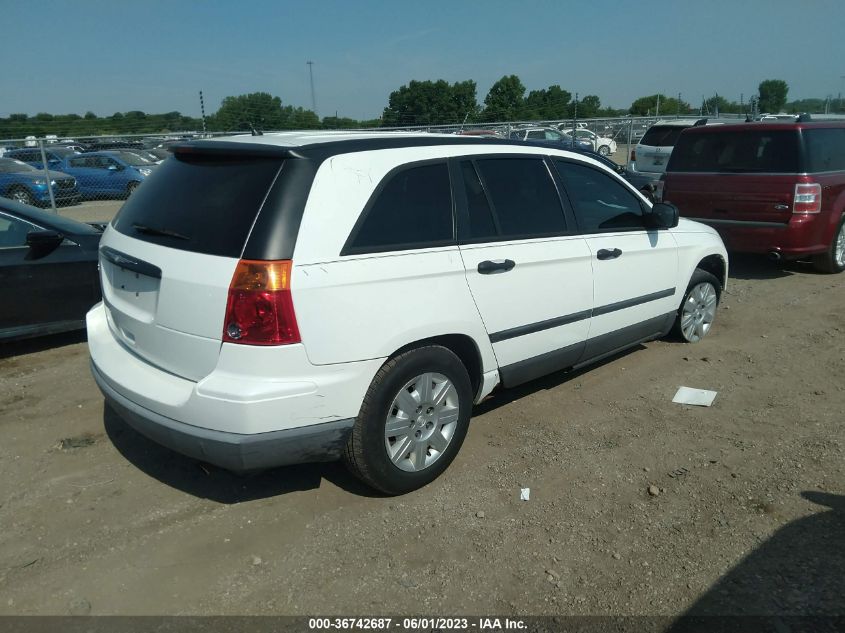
(350, 249)
(463, 205)
(581, 228)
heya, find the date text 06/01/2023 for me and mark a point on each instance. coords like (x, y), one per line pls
(416, 623)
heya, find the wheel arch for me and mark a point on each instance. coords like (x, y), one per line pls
(717, 266)
(462, 346)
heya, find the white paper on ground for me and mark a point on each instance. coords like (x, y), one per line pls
(524, 493)
(698, 397)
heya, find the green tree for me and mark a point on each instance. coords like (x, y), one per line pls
(431, 103)
(546, 103)
(260, 110)
(646, 106)
(772, 95)
(588, 107)
(90, 115)
(505, 100)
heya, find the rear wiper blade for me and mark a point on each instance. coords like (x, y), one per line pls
(150, 230)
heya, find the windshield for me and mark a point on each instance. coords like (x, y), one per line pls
(11, 166)
(741, 151)
(130, 158)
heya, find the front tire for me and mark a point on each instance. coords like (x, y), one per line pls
(19, 194)
(833, 261)
(604, 150)
(132, 186)
(412, 421)
(698, 309)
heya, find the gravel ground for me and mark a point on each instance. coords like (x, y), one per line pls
(637, 505)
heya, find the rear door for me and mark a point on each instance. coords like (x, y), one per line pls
(634, 270)
(168, 258)
(734, 177)
(529, 273)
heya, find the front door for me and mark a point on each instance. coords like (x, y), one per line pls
(635, 270)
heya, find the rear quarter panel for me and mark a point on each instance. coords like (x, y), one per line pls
(360, 307)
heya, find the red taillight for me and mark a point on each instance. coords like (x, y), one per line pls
(260, 309)
(808, 198)
(633, 155)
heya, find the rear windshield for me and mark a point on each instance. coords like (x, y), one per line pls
(825, 149)
(199, 203)
(745, 151)
(662, 135)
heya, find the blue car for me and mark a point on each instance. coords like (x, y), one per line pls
(32, 156)
(111, 174)
(28, 185)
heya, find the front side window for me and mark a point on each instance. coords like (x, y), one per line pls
(13, 231)
(600, 203)
(523, 195)
(412, 210)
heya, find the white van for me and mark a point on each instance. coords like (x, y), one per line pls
(298, 297)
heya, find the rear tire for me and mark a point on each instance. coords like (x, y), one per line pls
(698, 309)
(412, 421)
(833, 261)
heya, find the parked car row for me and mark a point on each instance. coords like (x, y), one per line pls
(94, 175)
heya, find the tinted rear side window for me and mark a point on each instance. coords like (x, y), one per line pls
(662, 135)
(206, 204)
(524, 197)
(745, 151)
(481, 223)
(412, 210)
(825, 149)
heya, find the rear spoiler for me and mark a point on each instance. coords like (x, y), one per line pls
(230, 148)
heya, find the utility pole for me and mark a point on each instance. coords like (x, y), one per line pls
(202, 111)
(313, 94)
(678, 115)
(657, 107)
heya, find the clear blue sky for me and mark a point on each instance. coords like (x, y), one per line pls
(155, 55)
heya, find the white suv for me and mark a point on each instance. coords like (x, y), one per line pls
(286, 298)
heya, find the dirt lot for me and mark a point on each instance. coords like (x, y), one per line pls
(750, 515)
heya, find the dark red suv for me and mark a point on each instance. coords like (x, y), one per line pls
(775, 188)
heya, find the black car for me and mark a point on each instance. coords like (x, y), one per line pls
(49, 275)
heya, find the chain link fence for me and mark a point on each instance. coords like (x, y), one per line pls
(54, 172)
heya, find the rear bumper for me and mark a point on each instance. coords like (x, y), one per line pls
(260, 407)
(802, 236)
(232, 451)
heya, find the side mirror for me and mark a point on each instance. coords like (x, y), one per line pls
(43, 242)
(663, 215)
